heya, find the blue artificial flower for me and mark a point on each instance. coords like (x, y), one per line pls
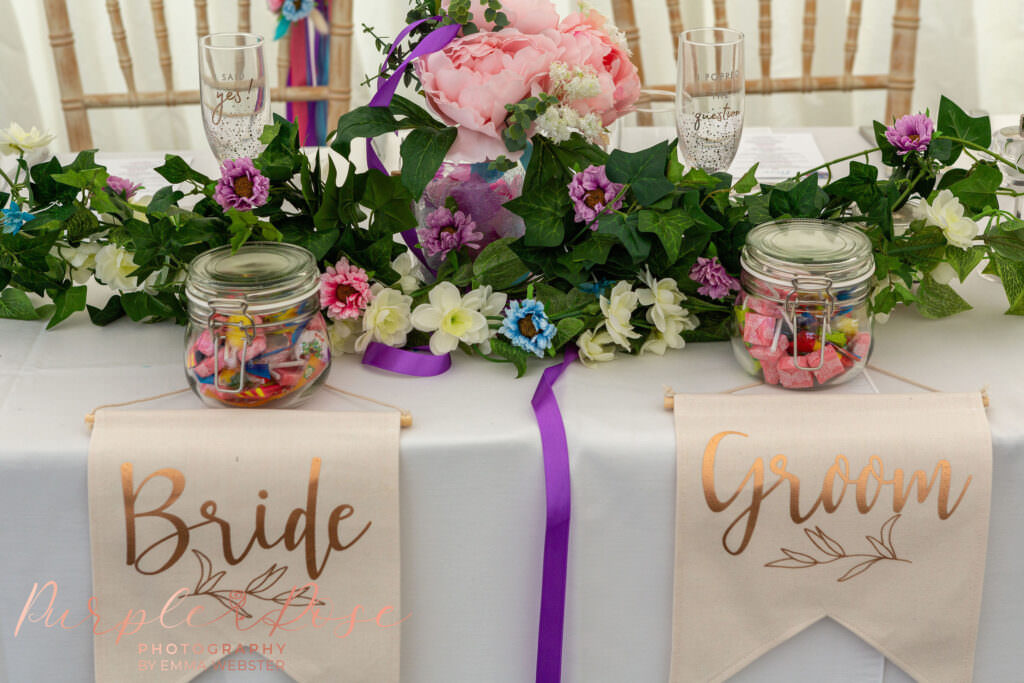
(595, 288)
(294, 10)
(14, 218)
(528, 327)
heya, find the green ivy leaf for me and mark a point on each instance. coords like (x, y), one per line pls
(626, 229)
(593, 250)
(668, 227)
(176, 170)
(938, 301)
(1006, 245)
(964, 261)
(890, 157)
(81, 224)
(953, 121)
(1012, 276)
(747, 182)
(568, 329)
(543, 211)
(113, 310)
(516, 355)
(67, 302)
(498, 266)
(977, 190)
(423, 150)
(362, 122)
(15, 305)
(643, 171)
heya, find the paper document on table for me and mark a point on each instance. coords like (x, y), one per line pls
(780, 155)
(138, 169)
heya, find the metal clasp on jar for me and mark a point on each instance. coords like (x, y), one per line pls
(814, 291)
(229, 308)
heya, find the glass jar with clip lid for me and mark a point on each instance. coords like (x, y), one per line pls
(802, 318)
(255, 336)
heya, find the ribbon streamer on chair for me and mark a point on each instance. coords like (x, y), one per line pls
(308, 65)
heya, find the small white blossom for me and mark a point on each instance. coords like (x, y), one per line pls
(943, 273)
(947, 213)
(343, 334)
(618, 309)
(595, 346)
(486, 300)
(114, 268)
(408, 268)
(450, 319)
(81, 259)
(16, 140)
(663, 297)
(386, 318)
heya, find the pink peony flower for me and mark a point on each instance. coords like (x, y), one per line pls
(584, 41)
(344, 290)
(910, 133)
(122, 186)
(711, 275)
(525, 16)
(591, 193)
(274, 5)
(470, 81)
(241, 186)
(446, 231)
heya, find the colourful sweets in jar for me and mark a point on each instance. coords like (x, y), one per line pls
(802, 319)
(256, 336)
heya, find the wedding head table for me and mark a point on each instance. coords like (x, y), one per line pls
(472, 496)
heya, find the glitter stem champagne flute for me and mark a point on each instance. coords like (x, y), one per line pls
(233, 94)
(709, 96)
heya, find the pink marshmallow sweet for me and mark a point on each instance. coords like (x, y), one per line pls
(758, 329)
(861, 345)
(832, 365)
(762, 306)
(792, 377)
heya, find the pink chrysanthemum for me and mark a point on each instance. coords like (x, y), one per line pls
(910, 133)
(122, 186)
(710, 274)
(446, 231)
(593, 194)
(344, 291)
(241, 186)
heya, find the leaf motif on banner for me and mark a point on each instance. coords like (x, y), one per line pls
(833, 551)
(234, 599)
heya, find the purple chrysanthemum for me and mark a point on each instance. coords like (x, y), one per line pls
(910, 133)
(241, 186)
(713, 280)
(122, 186)
(592, 194)
(446, 231)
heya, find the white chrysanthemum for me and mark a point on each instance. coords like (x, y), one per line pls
(114, 268)
(595, 347)
(618, 310)
(16, 140)
(344, 335)
(947, 213)
(450, 320)
(386, 318)
(408, 268)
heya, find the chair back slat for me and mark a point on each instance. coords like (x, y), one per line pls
(124, 57)
(202, 19)
(283, 58)
(675, 23)
(162, 44)
(625, 19)
(244, 17)
(720, 17)
(852, 37)
(62, 41)
(764, 50)
(339, 90)
(898, 82)
(901, 60)
(807, 46)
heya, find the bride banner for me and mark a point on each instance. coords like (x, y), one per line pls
(871, 510)
(258, 532)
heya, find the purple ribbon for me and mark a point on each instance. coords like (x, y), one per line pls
(405, 362)
(558, 491)
(432, 42)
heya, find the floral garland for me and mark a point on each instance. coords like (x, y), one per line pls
(615, 252)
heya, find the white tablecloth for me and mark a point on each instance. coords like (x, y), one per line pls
(473, 496)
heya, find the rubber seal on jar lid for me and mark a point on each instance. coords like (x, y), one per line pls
(266, 276)
(779, 251)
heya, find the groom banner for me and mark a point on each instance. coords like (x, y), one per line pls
(266, 532)
(871, 510)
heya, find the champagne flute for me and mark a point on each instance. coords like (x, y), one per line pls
(709, 96)
(233, 94)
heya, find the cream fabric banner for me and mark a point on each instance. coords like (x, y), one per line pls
(270, 531)
(872, 510)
